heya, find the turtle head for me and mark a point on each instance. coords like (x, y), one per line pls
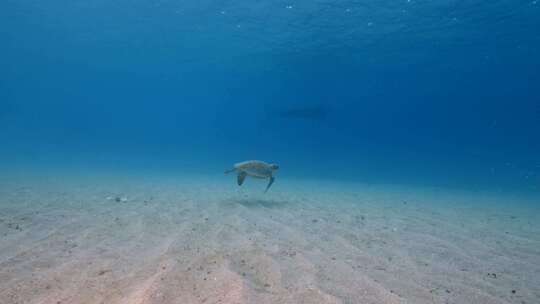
(274, 166)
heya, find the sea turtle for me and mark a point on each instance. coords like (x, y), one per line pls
(254, 168)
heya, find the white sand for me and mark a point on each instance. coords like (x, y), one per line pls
(205, 240)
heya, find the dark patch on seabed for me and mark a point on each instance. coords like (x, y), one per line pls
(259, 203)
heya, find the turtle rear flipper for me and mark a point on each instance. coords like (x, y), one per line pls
(241, 178)
(269, 183)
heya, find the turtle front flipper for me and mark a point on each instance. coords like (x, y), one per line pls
(241, 178)
(269, 183)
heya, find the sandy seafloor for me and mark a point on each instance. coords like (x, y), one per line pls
(202, 239)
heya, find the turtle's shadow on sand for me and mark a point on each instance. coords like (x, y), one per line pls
(258, 203)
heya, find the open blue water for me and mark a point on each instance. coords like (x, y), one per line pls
(438, 93)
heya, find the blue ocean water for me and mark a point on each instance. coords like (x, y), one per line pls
(438, 93)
